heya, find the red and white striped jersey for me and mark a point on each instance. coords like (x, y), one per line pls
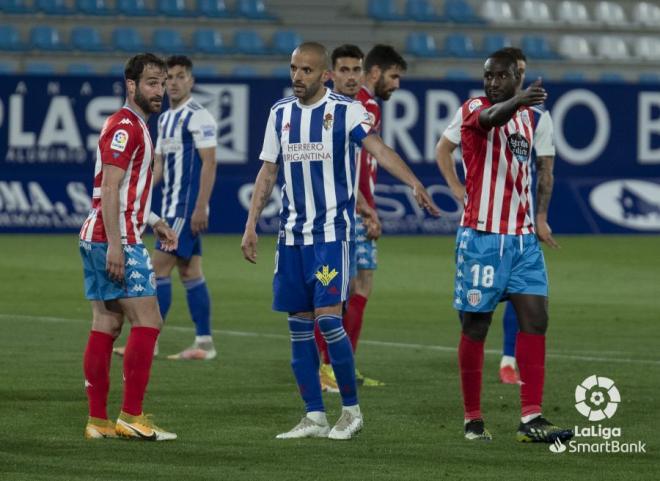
(124, 142)
(368, 164)
(497, 171)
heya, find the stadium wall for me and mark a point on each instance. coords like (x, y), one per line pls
(607, 171)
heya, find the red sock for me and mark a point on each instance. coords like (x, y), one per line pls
(530, 356)
(471, 363)
(322, 345)
(353, 318)
(96, 366)
(137, 366)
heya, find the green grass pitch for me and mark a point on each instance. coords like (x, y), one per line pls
(605, 316)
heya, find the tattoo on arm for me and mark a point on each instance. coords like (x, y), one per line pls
(544, 184)
(263, 189)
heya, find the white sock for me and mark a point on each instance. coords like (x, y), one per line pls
(318, 417)
(526, 419)
(508, 361)
(354, 410)
(203, 339)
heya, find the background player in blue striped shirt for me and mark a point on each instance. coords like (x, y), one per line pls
(312, 136)
(186, 163)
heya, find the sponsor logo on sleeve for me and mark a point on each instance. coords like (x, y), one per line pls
(119, 140)
(208, 131)
(474, 105)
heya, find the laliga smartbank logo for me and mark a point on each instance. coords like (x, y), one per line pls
(597, 399)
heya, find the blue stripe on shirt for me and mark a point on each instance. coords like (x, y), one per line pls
(338, 157)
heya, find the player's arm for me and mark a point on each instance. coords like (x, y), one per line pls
(369, 216)
(263, 188)
(544, 184)
(500, 113)
(390, 161)
(112, 178)
(158, 169)
(444, 151)
(199, 221)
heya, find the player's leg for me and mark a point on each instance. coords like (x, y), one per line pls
(508, 372)
(329, 264)
(140, 306)
(480, 271)
(107, 319)
(199, 306)
(291, 295)
(528, 288)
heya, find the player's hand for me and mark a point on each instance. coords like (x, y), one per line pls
(199, 222)
(114, 262)
(535, 94)
(544, 232)
(249, 245)
(371, 222)
(166, 235)
(425, 201)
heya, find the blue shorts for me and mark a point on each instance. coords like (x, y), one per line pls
(139, 280)
(365, 249)
(491, 266)
(310, 276)
(189, 244)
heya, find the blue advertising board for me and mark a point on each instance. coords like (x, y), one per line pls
(607, 169)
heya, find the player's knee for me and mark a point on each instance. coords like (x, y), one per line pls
(475, 326)
(538, 325)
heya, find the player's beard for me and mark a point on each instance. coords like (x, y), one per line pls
(380, 90)
(309, 90)
(147, 105)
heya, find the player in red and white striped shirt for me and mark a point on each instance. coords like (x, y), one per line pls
(497, 254)
(119, 280)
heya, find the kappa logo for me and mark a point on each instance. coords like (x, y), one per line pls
(132, 262)
(474, 297)
(628, 203)
(327, 121)
(458, 301)
(128, 249)
(325, 275)
(462, 245)
(138, 288)
(125, 122)
(119, 140)
(135, 275)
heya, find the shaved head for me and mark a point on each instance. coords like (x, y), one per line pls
(317, 50)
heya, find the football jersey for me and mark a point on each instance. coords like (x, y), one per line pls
(315, 146)
(368, 164)
(181, 132)
(124, 142)
(497, 170)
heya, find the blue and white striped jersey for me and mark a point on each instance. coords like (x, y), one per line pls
(315, 146)
(181, 132)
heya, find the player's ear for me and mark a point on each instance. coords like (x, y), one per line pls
(327, 75)
(130, 86)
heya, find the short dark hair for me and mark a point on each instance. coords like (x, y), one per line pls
(515, 52)
(384, 57)
(506, 58)
(136, 65)
(346, 50)
(182, 60)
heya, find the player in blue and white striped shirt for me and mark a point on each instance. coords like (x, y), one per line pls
(185, 159)
(312, 136)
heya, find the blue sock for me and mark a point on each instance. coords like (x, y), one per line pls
(510, 327)
(199, 305)
(164, 293)
(305, 362)
(341, 357)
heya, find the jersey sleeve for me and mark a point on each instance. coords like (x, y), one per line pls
(204, 129)
(158, 149)
(470, 113)
(544, 144)
(453, 130)
(270, 151)
(119, 143)
(358, 122)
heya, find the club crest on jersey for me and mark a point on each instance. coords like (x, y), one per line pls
(519, 147)
(325, 275)
(474, 297)
(119, 140)
(327, 121)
